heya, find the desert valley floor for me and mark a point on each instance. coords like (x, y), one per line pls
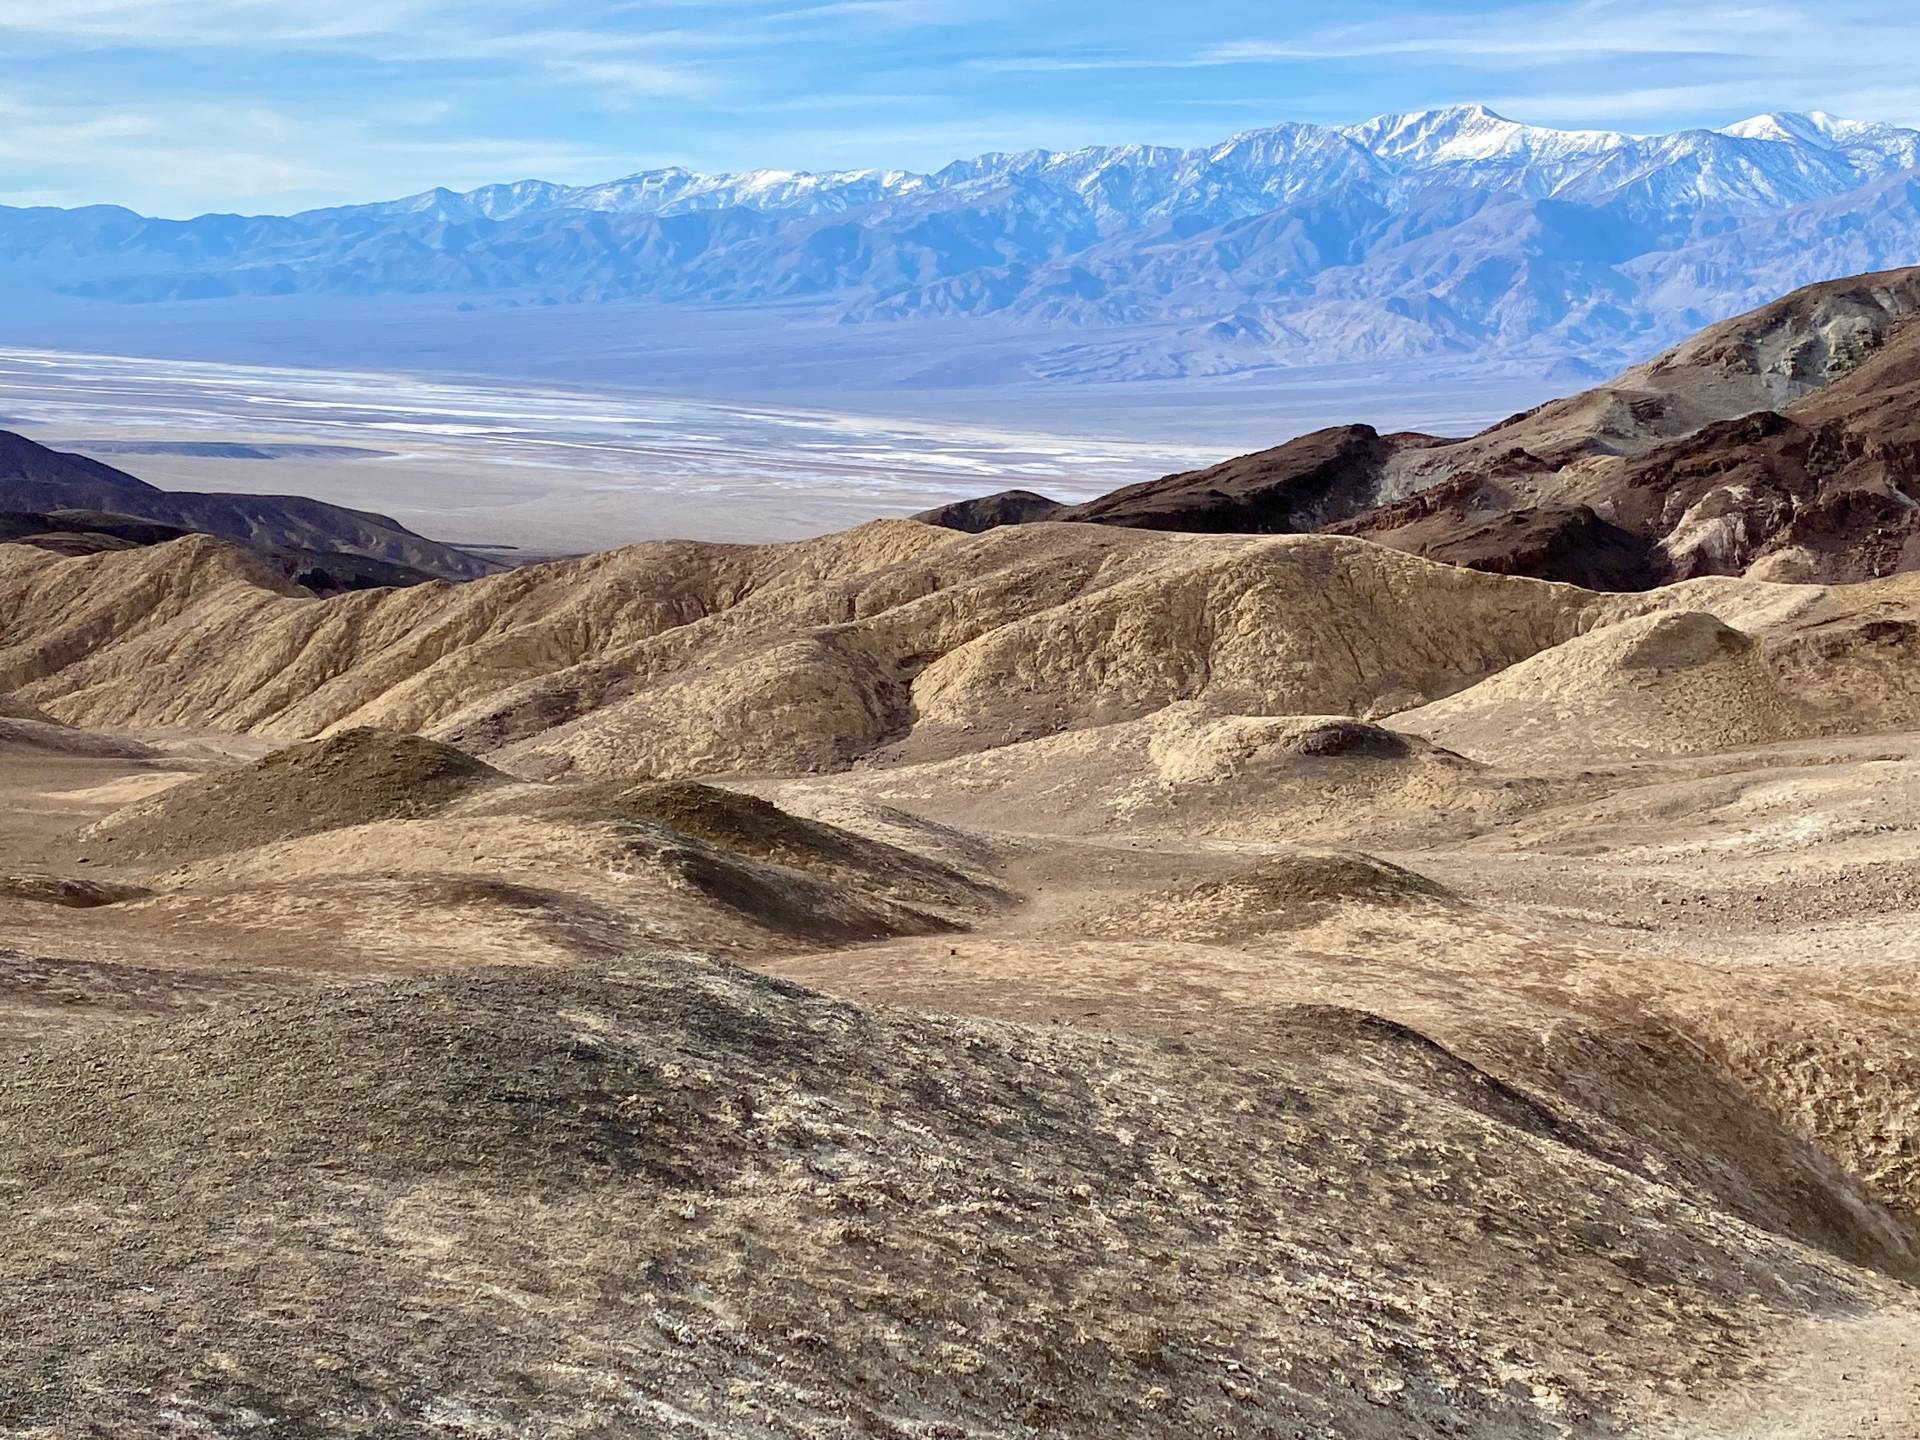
(1063, 980)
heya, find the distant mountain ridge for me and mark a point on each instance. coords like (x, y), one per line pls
(1448, 231)
(73, 504)
(1812, 156)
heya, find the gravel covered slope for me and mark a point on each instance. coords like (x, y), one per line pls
(668, 1197)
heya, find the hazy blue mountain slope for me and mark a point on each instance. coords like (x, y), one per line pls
(1440, 231)
(1874, 228)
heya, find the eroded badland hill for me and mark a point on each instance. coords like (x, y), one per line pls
(1064, 980)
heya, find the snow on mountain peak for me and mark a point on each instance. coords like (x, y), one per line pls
(1867, 147)
(1760, 163)
(1787, 126)
(1469, 133)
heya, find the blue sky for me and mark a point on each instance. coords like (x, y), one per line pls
(176, 107)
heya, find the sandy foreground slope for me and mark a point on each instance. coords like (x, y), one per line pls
(1052, 982)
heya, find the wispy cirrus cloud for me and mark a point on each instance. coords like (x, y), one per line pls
(220, 23)
(1498, 38)
(251, 104)
(1535, 33)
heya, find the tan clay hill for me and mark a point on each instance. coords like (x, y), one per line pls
(893, 642)
(1067, 980)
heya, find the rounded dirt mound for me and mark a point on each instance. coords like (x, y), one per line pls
(1678, 641)
(67, 893)
(1313, 877)
(727, 819)
(1673, 683)
(1277, 893)
(1339, 735)
(12, 707)
(353, 778)
(52, 737)
(732, 846)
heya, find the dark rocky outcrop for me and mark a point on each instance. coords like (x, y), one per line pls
(1784, 443)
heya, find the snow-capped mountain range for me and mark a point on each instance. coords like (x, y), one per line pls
(1766, 163)
(1439, 231)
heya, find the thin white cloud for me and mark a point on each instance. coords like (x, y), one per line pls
(1517, 37)
(1646, 103)
(362, 98)
(913, 12)
(222, 23)
(633, 79)
(1074, 64)
(188, 158)
(436, 32)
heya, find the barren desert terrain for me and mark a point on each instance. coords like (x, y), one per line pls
(1063, 980)
(1095, 974)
